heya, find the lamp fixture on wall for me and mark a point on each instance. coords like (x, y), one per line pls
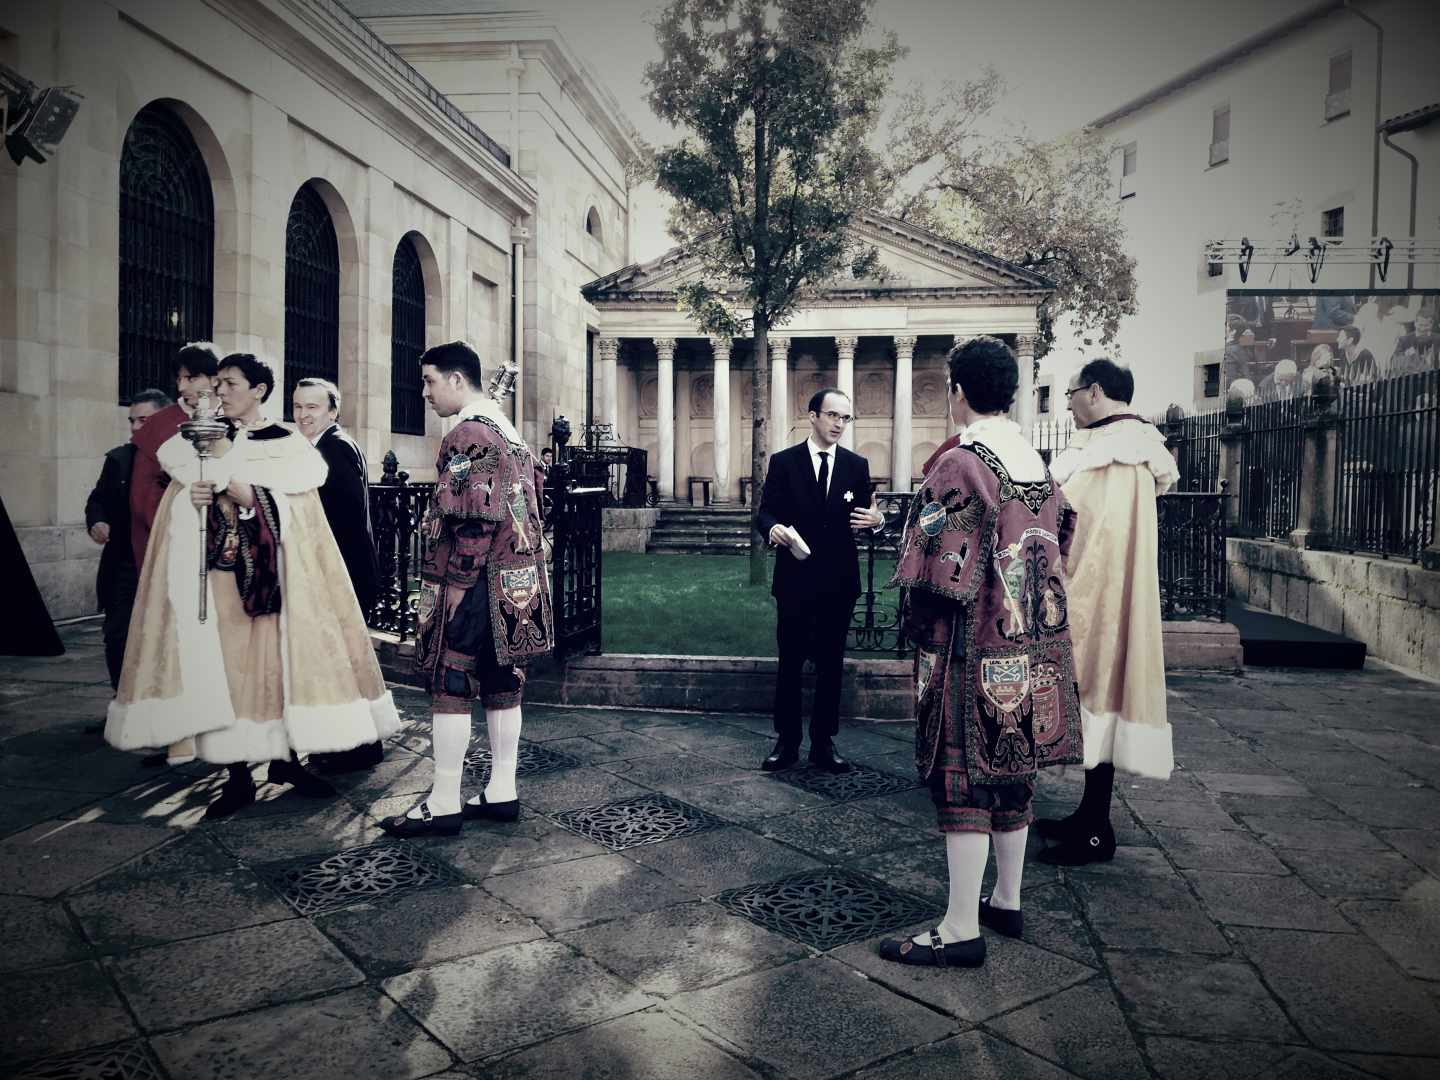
(34, 120)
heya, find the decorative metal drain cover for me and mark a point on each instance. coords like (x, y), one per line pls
(534, 758)
(640, 819)
(362, 873)
(860, 782)
(827, 908)
(128, 1061)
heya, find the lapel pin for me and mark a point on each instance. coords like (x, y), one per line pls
(849, 496)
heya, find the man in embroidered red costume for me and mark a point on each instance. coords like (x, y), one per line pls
(485, 596)
(282, 664)
(1112, 472)
(995, 685)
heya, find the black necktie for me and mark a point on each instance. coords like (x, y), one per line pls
(824, 480)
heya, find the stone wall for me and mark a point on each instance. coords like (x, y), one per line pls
(627, 530)
(1390, 605)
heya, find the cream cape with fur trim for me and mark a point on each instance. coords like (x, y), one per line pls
(250, 689)
(1112, 475)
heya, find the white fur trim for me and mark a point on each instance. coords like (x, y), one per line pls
(1138, 749)
(1125, 442)
(159, 722)
(317, 729)
(243, 741)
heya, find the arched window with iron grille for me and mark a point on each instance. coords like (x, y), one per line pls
(407, 341)
(312, 293)
(167, 249)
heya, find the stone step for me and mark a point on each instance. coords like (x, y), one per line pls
(688, 535)
(705, 515)
(690, 547)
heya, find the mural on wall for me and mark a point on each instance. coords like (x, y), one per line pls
(928, 393)
(1276, 343)
(702, 398)
(875, 395)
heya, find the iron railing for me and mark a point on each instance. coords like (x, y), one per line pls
(619, 470)
(396, 509)
(1388, 457)
(577, 569)
(1194, 576)
(1195, 442)
(875, 624)
(1270, 468)
(1051, 436)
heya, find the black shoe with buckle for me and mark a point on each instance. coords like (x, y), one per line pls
(824, 757)
(1090, 845)
(782, 757)
(491, 811)
(956, 954)
(405, 827)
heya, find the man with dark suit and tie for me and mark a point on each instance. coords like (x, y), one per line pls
(817, 495)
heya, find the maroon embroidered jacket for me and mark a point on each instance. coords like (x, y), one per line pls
(995, 681)
(484, 522)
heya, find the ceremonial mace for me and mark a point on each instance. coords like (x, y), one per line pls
(502, 383)
(204, 430)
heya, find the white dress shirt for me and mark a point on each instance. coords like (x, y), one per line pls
(815, 450)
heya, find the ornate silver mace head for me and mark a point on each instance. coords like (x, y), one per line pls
(205, 428)
(502, 383)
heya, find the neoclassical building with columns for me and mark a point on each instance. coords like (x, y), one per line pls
(685, 397)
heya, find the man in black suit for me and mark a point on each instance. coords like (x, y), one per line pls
(345, 495)
(107, 517)
(817, 495)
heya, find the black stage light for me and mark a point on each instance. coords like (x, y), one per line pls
(35, 120)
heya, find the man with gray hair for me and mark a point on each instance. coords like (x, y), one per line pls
(345, 495)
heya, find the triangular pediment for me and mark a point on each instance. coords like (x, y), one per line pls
(913, 258)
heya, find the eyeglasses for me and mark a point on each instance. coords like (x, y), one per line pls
(1075, 390)
(837, 417)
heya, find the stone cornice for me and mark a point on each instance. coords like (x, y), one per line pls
(489, 37)
(324, 41)
(964, 295)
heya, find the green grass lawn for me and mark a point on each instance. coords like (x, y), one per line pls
(697, 605)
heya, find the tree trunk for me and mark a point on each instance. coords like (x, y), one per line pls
(759, 446)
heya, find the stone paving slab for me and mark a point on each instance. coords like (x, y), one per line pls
(60, 1010)
(355, 1035)
(1081, 1029)
(684, 947)
(569, 895)
(36, 933)
(642, 1046)
(1176, 994)
(1257, 900)
(710, 862)
(1215, 849)
(814, 1018)
(1356, 874)
(484, 1005)
(388, 937)
(49, 858)
(485, 849)
(838, 833)
(1161, 915)
(1407, 929)
(984, 1057)
(171, 986)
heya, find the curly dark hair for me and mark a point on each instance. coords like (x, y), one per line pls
(255, 370)
(196, 357)
(986, 369)
(455, 356)
(1117, 382)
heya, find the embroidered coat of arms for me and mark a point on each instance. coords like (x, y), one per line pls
(985, 603)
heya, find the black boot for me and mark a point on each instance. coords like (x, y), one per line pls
(306, 783)
(1094, 808)
(1088, 846)
(361, 757)
(236, 793)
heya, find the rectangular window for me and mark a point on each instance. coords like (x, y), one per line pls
(1044, 400)
(1332, 223)
(1128, 162)
(1212, 380)
(1220, 135)
(1337, 95)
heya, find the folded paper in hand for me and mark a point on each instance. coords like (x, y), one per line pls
(798, 547)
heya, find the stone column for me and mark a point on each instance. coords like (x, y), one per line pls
(665, 417)
(779, 394)
(720, 350)
(845, 380)
(609, 350)
(1025, 396)
(900, 443)
(1232, 458)
(1318, 459)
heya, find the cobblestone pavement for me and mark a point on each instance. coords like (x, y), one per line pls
(662, 909)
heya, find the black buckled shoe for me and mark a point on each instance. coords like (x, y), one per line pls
(782, 757)
(235, 794)
(306, 783)
(1058, 829)
(1088, 846)
(956, 954)
(825, 757)
(491, 811)
(427, 824)
(1001, 920)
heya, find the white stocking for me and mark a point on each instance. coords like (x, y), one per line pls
(449, 738)
(967, 853)
(504, 725)
(1009, 866)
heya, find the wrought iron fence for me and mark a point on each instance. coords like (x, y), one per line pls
(576, 569)
(396, 508)
(1051, 436)
(1195, 442)
(875, 625)
(1193, 569)
(620, 470)
(1270, 468)
(1388, 459)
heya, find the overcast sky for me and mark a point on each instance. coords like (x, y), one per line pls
(1065, 62)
